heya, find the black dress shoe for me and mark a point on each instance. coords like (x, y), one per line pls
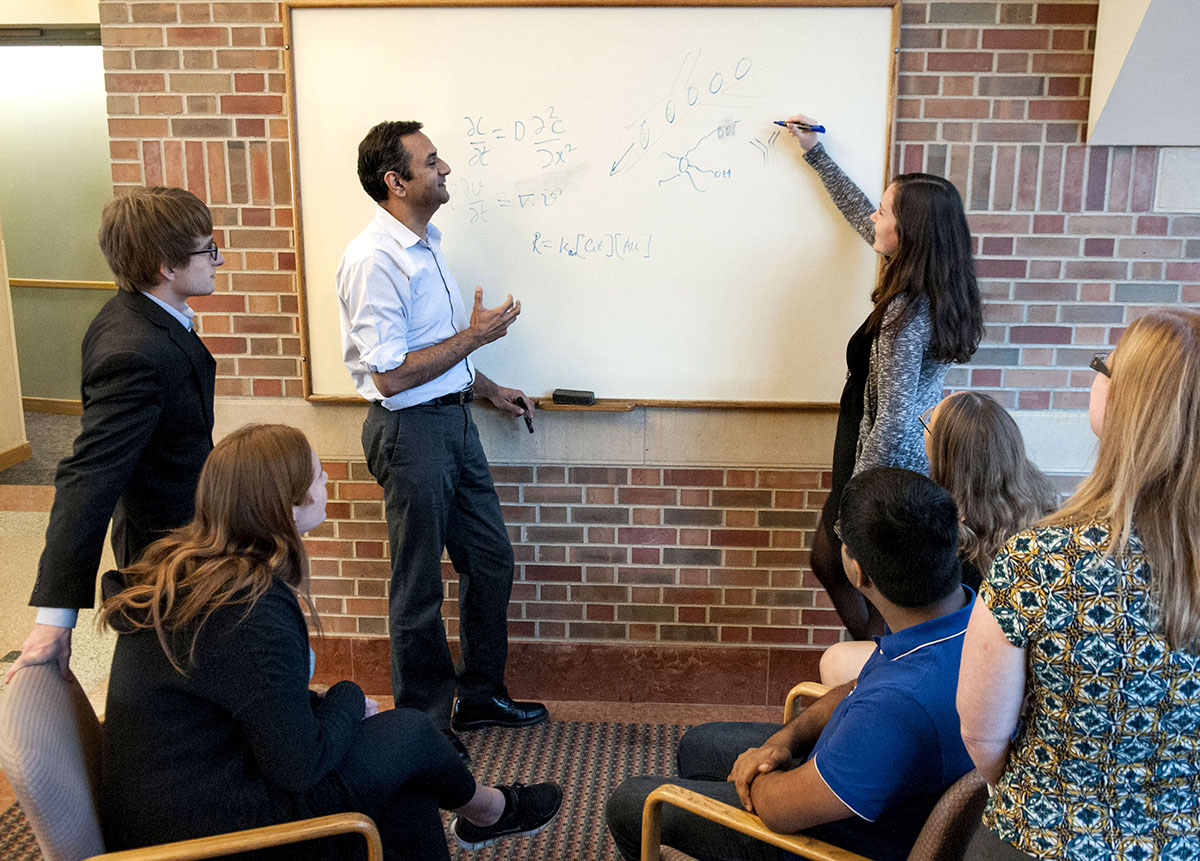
(496, 711)
(461, 749)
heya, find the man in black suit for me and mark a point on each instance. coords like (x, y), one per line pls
(147, 392)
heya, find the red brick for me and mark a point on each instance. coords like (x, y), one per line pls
(249, 83)
(634, 535)
(1098, 247)
(1144, 172)
(964, 61)
(128, 127)
(1039, 335)
(154, 13)
(1013, 39)
(145, 82)
(958, 85)
(131, 37)
(243, 59)
(960, 38)
(197, 36)
(1068, 40)
(1009, 132)
(1073, 175)
(1119, 179)
(251, 127)
(1066, 13)
(1063, 87)
(694, 477)
(1058, 109)
(1013, 62)
(1183, 271)
(1062, 64)
(1000, 268)
(251, 104)
(245, 12)
(646, 496)
(957, 108)
(741, 537)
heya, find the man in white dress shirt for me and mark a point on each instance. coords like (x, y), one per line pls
(407, 342)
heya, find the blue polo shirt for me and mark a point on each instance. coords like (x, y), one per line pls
(893, 746)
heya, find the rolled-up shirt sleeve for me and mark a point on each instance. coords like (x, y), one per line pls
(376, 299)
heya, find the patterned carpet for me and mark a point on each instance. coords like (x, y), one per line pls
(587, 759)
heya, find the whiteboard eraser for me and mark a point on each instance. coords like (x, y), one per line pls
(574, 397)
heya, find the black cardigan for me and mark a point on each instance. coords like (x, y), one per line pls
(237, 742)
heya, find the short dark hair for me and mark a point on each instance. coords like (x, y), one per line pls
(148, 228)
(382, 151)
(902, 528)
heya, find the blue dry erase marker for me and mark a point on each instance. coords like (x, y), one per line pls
(528, 419)
(804, 127)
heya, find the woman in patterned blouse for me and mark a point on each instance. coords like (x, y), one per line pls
(1080, 684)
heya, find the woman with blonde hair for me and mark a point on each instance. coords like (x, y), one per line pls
(210, 725)
(977, 453)
(1091, 619)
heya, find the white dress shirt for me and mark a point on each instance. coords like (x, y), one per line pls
(396, 294)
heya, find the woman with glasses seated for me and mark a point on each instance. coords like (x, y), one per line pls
(210, 725)
(976, 452)
(1079, 691)
(926, 314)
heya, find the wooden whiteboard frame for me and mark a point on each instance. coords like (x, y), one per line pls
(604, 404)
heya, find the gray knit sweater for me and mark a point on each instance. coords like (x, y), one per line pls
(903, 381)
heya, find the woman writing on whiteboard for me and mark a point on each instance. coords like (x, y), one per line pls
(926, 315)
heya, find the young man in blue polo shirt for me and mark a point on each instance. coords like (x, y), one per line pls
(863, 766)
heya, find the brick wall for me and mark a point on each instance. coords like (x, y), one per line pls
(993, 95)
(611, 554)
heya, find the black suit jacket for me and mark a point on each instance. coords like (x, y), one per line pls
(147, 428)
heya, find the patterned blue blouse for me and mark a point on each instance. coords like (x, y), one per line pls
(1107, 761)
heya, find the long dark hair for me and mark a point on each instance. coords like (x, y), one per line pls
(242, 536)
(932, 259)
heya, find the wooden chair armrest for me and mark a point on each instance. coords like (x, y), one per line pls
(804, 689)
(730, 817)
(258, 838)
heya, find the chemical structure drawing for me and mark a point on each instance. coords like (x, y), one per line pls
(685, 167)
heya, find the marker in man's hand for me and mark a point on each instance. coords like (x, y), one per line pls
(528, 419)
(804, 127)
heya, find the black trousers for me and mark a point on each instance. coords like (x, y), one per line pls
(438, 493)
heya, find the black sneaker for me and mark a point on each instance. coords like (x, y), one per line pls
(527, 810)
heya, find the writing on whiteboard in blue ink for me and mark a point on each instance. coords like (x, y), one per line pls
(593, 246)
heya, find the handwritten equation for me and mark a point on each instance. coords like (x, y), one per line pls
(481, 202)
(541, 137)
(584, 246)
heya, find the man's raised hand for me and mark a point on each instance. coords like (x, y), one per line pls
(491, 324)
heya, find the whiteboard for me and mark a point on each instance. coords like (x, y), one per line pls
(618, 171)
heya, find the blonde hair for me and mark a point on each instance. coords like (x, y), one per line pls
(242, 536)
(1147, 473)
(977, 453)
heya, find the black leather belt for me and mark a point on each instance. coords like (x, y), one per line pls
(452, 399)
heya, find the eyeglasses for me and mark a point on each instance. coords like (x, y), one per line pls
(925, 417)
(1099, 364)
(211, 250)
(837, 529)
